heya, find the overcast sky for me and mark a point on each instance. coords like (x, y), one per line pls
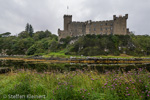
(48, 14)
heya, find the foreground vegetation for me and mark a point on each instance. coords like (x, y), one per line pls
(78, 85)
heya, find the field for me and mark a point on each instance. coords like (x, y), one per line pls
(76, 85)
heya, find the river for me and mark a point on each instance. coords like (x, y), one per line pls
(40, 65)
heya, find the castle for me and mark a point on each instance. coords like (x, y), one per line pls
(116, 26)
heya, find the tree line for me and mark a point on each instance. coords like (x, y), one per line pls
(29, 42)
(93, 45)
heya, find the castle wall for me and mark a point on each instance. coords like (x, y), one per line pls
(100, 27)
(63, 34)
(77, 28)
(116, 26)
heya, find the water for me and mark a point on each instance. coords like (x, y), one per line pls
(62, 67)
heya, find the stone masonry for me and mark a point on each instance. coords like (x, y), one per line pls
(73, 29)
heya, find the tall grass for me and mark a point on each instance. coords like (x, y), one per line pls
(78, 85)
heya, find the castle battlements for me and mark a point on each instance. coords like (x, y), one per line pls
(67, 15)
(76, 28)
(77, 22)
(120, 16)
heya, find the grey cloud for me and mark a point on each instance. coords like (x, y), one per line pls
(138, 11)
(48, 14)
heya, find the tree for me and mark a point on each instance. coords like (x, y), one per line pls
(115, 40)
(53, 45)
(7, 34)
(23, 34)
(31, 50)
(29, 29)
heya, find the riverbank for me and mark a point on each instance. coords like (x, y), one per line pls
(54, 55)
(82, 59)
(76, 85)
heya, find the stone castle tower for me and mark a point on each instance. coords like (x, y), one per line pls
(116, 26)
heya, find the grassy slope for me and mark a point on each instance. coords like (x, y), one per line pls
(62, 54)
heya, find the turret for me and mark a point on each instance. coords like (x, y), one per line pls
(67, 20)
(120, 25)
(126, 16)
(114, 17)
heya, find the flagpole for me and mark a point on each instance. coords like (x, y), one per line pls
(67, 9)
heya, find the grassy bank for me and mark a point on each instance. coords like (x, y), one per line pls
(77, 85)
(62, 54)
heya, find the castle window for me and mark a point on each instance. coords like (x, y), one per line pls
(106, 28)
(94, 29)
(106, 23)
(101, 29)
(111, 28)
(101, 24)
(111, 24)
